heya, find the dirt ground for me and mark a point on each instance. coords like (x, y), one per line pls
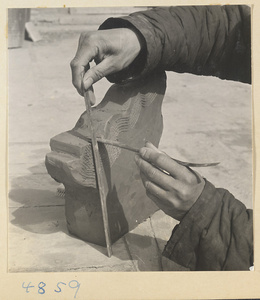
(205, 119)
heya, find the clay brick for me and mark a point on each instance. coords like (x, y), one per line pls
(130, 114)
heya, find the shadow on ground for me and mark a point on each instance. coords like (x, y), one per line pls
(35, 207)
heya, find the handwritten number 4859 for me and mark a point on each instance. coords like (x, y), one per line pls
(73, 284)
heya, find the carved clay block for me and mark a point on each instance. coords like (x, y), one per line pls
(130, 114)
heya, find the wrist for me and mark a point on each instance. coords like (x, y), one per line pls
(197, 191)
(137, 65)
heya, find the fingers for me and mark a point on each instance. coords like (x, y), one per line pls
(158, 183)
(84, 55)
(175, 193)
(77, 71)
(112, 50)
(167, 201)
(85, 79)
(153, 191)
(94, 74)
(154, 175)
(161, 160)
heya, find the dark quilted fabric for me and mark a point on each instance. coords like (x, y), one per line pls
(217, 232)
(203, 40)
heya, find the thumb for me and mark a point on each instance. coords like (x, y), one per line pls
(94, 74)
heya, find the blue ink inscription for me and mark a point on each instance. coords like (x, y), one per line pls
(73, 284)
(41, 289)
(27, 287)
(59, 287)
(75, 287)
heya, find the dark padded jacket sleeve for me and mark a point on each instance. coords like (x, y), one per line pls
(203, 40)
(216, 234)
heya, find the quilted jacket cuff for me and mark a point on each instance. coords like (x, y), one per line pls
(184, 242)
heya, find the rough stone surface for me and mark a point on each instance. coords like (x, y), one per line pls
(129, 114)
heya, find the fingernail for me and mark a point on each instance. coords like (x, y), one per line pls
(143, 151)
(137, 159)
(151, 146)
(88, 83)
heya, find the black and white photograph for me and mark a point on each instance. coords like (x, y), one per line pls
(130, 141)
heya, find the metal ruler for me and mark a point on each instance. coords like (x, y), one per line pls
(88, 95)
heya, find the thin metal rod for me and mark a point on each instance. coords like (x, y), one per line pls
(88, 95)
(117, 144)
(183, 163)
(136, 150)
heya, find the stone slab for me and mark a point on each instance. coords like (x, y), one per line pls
(127, 113)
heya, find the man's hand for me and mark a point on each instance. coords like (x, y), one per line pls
(113, 50)
(175, 193)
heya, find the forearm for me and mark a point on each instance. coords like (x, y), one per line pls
(206, 40)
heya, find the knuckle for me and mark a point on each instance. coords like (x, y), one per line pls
(97, 74)
(179, 204)
(185, 194)
(190, 178)
(90, 40)
(74, 82)
(84, 36)
(176, 204)
(151, 172)
(117, 66)
(148, 186)
(161, 158)
(114, 68)
(73, 63)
